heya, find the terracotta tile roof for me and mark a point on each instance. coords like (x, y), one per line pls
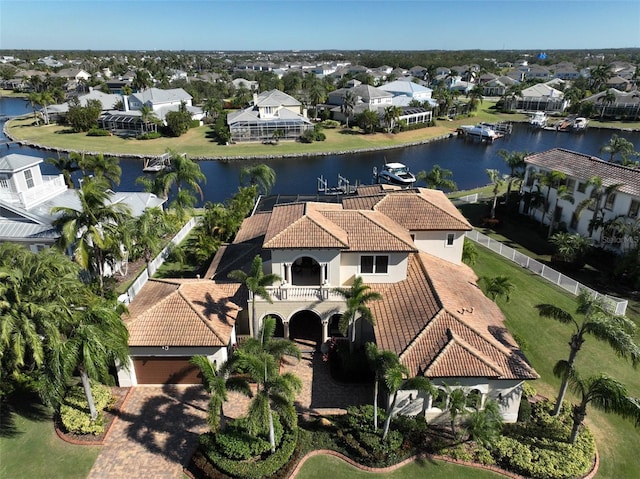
(441, 324)
(182, 312)
(371, 231)
(418, 209)
(253, 227)
(583, 167)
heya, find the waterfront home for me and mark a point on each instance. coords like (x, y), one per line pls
(541, 97)
(622, 203)
(405, 245)
(272, 115)
(625, 104)
(27, 197)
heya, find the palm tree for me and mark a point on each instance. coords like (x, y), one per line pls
(217, 382)
(485, 425)
(183, 173)
(599, 76)
(260, 175)
(437, 178)
(598, 193)
(496, 180)
(499, 287)
(141, 80)
(616, 145)
(34, 100)
(99, 165)
(67, 166)
(617, 331)
(46, 99)
(348, 105)
(147, 232)
(515, 162)
(562, 193)
(469, 252)
(549, 179)
(396, 378)
(93, 230)
(356, 297)
(609, 98)
(475, 97)
(603, 393)
(259, 359)
(570, 247)
(391, 116)
(256, 282)
(457, 405)
(379, 361)
(92, 343)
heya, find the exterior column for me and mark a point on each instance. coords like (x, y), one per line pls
(285, 325)
(325, 330)
(325, 273)
(287, 273)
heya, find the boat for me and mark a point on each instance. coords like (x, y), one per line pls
(580, 124)
(394, 174)
(481, 132)
(538, 120)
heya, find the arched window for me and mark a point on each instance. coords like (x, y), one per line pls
(440, 401)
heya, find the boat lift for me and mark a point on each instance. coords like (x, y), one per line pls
(344, 187)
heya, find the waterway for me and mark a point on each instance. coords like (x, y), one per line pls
(466, 159)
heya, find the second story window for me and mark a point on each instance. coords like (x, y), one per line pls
(611, 199)
(450, 238)
(28, 176)
(633, 209)
(370, 264)
(582, 187)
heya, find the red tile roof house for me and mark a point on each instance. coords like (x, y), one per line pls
(406, 245)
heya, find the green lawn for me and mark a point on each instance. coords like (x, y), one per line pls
(196, 143)
(29, 446)
(317, 467)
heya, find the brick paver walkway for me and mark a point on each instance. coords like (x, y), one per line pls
(158, 429)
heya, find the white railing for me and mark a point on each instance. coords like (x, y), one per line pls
(302, 293)
(618, 306)
(154, 264)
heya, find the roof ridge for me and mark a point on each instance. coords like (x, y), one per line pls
(199, 314)
(421, 333)
(311, 213)
(366, 213)
(474, 351)
(450, 215)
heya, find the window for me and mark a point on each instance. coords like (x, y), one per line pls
(4, 183)
(28, 176)
(571, 185)
(582, 187)
(374, 264)
(440, 401)
(611, 199)
(450, 238)
(633, 209)
(474, 399)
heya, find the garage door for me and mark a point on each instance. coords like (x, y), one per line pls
(176, 370)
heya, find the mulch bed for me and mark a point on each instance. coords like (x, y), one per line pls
(110, 415)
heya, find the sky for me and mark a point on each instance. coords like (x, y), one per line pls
(217, 25)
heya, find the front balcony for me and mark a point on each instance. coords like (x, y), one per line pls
(302, 293)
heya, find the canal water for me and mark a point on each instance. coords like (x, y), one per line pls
(467, 160)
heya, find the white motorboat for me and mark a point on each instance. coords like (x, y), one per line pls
(483, 132)
(580, 123)
(538, 120)
(395, 174)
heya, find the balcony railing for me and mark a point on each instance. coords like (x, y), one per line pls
(302, 293)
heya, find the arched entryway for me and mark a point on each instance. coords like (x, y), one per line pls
(306, 271)
(334, 326)
(279, 333)
(305, 328)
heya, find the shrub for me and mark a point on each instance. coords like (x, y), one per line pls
(250, 469)
(330, 124)
(98, 132)
(74, 412)
(152, 135)
(236, 443)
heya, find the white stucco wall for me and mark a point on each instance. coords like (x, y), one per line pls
(288, 256)
(435, 243)
(350, 268)
(506, 392)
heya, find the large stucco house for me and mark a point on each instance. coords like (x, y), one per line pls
(404, 244)
(622, 203)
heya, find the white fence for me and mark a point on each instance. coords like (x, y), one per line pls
(154, 264)
(618, 306)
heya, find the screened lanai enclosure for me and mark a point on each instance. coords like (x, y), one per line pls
(269, 130)
(126, 125)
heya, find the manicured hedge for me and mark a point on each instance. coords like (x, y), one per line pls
(250, 469)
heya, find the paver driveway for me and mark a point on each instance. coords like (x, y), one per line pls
(156, 433)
